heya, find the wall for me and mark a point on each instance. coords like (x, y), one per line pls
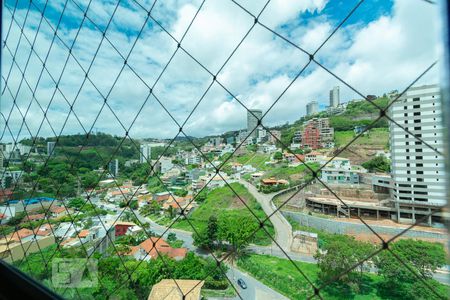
(340, 227)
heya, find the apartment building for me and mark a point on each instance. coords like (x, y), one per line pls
(318, 134)
(145, 153)
(113, 167)
(274, 136)
(253, 116)
(334, 97)
(312, 108)
(417, 171)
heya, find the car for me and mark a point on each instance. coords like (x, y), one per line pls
(242, 283)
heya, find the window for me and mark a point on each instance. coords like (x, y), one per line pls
(422, 186)
(421, 199)
(420, 193)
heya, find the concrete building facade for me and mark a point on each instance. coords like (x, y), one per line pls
(50, 148)
(334, 97)
(114, 167)
(253, 115)
(312, 108)
(145, 153)
(417, 171)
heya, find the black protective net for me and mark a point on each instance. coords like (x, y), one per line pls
(53, 87)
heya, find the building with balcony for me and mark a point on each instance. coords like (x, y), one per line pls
(318, 134)
(417, 170)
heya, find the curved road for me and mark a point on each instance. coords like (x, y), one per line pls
(255, 289)
(283, 230)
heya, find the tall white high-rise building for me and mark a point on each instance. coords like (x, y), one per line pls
(312, 108)
(417, 171)
(114, 167)
(145, 153)
(334, 97)
(51, 148)
(253, 115)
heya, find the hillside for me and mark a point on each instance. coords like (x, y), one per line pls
(224, 202)
(357, 113)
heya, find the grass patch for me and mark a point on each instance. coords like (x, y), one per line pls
(324, 237)
(256, 160)
(223, 200)
(227, 293)
(281, 275)
(378, 137)
(293, 174)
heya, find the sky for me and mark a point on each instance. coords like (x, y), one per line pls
(384, 45)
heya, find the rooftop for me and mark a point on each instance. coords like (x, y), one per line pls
(168, 289)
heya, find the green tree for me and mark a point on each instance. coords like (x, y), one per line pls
(89, 180)
(76, 203)
(171, 211)
(134, 204)
(422, 258)
(201, 197)
(171, 237)
(180, 193)
(377, 164)
(338, 256)
(236, 231)
(155, 207)
(207, 238)
(16, 219)
(278, 155)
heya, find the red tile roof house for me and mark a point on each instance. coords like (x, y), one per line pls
(122, 227)
(160, 197)
(35, 217)
(146, 250)
(59, 211)
(44, 230)
(23, 235)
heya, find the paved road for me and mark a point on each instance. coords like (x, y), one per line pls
(442, 276)
(255, 289)
(283, 230)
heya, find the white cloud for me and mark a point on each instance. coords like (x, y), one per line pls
(387, 53)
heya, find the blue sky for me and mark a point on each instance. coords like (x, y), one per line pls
(383, 46)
